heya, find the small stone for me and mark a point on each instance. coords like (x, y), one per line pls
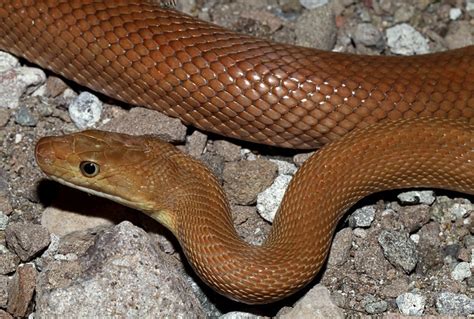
(14, 83)
(461, 271)
(341, 247)
(411, 304)
(317, 303)
(229, 151)
(399, 250)
(5, 315)
(196, 143)
(244, 180)
(368, 35)
(453, 304)
(240, 315)
(362, 217)
(317, 28)
(460, 34)
(313, 4)
(285, 167)
(414, 217)
(85, 110)
(455, 13)
(417, 197)
(299, 159)
(8, 261)
(403, 39)
(269, 200)
(373, 305)
(3, 221)
(20, 290)
(3, 291)
(26, 239)
(24, 117)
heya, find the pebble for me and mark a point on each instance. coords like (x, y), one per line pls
(414, 217)
(313, 4)
(461, 271)
(285, 167)
(317, 303)
(368, 35)
(8, 261)
(269, 200)
(373, 305)
(85, 110)
(453, 304)
(26, 239)
(340, 247)
(229, 151)
(3, 291)
(417, 197)
(239, 315)
(411, 304)
(14, 83)
(455, 13)
(21, 289)
(362, 217)
(4, 117)
(24, 117)
(3, 221)
(403, 39)
(399, 250)
(196, 143)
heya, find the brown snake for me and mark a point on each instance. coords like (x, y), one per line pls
(255, 90)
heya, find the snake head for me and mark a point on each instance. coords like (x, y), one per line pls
(139, 172)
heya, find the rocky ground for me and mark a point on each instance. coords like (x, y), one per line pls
(64, 253)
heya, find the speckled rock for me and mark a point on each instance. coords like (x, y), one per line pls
(26, 239)
(317, 28)
(449, 303)
(399, 250)
(8, 261)
(120, 275)
(21, 289)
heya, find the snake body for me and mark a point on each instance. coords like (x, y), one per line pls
(256, 90)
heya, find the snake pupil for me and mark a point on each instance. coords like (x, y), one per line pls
(89, 169)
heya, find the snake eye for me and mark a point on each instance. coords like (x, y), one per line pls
(89, 169)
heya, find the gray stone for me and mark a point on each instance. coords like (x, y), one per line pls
(3, 291)
(341, 247)
(317, 28)
(373, 305)
(417, 197)
(368, 35)
(26, 239)
(399, 250)
(405, 40)
(269, 200)
(317, 303)
(449, 303)
(461, 271)
(120, 275)
(14, 83)
(8, 261)
(24, 117)
(313, 4)
(8, 61)
(362, 217)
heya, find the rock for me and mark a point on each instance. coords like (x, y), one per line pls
(399, 250)
(14, 83)
(446, 208)
(141, 121)
(229, 151)
(461, 271)
(3, 291)
(416, 197)
(285, 167)
(8, 261)
(3, 221)
(4, 117)
(368, 35)
(405, 40)
(452, 304)
(373, 305)
(460, 34)
(362, 217)
(8, 61)
(269, 200)
(299, 159)
(411, 304)
(85, 110)
(26, 239)
(317, 303)
(455, 13)
(24, 117)
(414, 217)
(120, 275)
(21, 289)
(430, 255)
(243, 180)
(317, 28)
(196, 143)
(341, 247)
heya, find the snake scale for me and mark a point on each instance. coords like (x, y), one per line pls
(404, 122)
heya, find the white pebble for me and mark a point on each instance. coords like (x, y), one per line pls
(405, 40)
(411, 304)
(461, 271)
(85, 110)
(269, 200)
(455, 13)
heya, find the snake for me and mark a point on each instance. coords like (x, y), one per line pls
(382, 122)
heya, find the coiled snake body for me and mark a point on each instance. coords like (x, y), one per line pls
(255, 90)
